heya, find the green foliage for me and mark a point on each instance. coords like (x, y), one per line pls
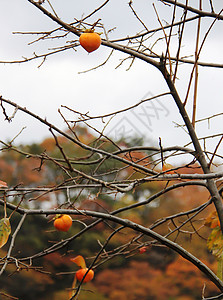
(215, 242)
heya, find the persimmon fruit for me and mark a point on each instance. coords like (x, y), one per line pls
(142, 249)
(80, 274)
(63, 222)
(90, 41)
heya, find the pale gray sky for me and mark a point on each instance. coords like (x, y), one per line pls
(106, 89)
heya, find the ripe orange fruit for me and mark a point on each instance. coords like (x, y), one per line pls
(80, 274)
(63, 222)
(90, 41)
(142, 249)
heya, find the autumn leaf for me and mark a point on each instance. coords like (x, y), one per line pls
(212, 220)
(215, 242)
(5, 230)
(79, 261)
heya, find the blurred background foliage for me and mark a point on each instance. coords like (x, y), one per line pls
(156, 274)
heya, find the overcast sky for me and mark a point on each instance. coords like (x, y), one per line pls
(58, 82)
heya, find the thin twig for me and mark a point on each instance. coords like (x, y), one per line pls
(12, 243)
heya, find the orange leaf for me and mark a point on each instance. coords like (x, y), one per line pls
(212, 220)
(79, 261)
(5, 230)
(215, 242)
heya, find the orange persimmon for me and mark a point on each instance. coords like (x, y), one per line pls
(63, 222)
(90, 41)
(142, 249)
(80, 274)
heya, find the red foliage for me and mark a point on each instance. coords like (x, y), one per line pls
(141, 281)
(20, 171)
(6, 171)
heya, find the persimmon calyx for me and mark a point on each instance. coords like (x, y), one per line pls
(88, 31)
(57, 216)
